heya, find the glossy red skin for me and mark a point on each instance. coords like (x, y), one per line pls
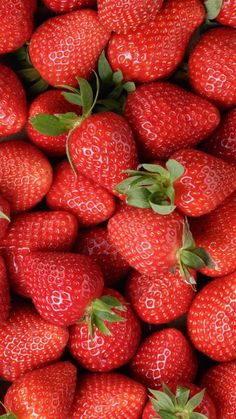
(62, 6)
(88, 201)
(123, 17)
(166, 118)
(227, 15)
(13, 107)
(216, 233)
(148, 241)
(106, 353)
(222, 142)
(108, 395)
(48, 392)
(4, 293)
(62, 285)
(16, 18)
(94, 242)
(211, 319)
(164, 356)
(5, 208)
(205, 184)
(27, 342)
(50, 102)
(41, 230)
(25, 175)
(220, 382)
(211, 66)
(56, 45)
(160, 298)
(102, 147)
(156, 48)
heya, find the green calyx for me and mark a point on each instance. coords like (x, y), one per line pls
(4, 216)
(176, 406)
(8, 414)
(213, 8)
(101, 310)
(152, 188)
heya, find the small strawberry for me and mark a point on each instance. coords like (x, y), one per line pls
(4, 216)
(108, 396)
(4, 293)
(63, 6)
(164, 356)
(47, 392)
(89, 202)
(27, 342)
(212, 66)
(25, 175)
(13, 108)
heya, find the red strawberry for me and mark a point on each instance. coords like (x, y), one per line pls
(25, 175)
(67, 46)
(62, 6)
(27, 342)
(156, 48)
(106, 396)
(165, 356)
(212, 318)
(222, 143)
(4, 293)
(106, 353)
(161, 298)
(227, 15)
(89, 202)
(41, 230)
(166, 118)
(47, 392)
(122, 17)
(220, 382)
(94, 242)
(4, 216)
(212, 66)
(13, 108)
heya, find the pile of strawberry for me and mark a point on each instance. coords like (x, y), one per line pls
(118, 209)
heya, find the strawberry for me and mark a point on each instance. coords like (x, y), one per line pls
(106, 396)
(211, 66)
(212, 317)
(13, 108)
(25, 175)
(160, 298)
(56, 45)
(41, 230)
(220, 382)
(47, 392)
(156, 48)
(222, 142)
(62, 6)
(128, 16)
(227, 15)
(4, 293)
(106, 352)
(27, 342)
(89, 202)
(4, 216)
(95, 242)
(164, 356)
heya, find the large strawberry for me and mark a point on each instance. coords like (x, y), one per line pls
(4, 293)
(212, 66)
(88, 201)
(67, 46)
(166, 118)
(4, 216)
(156, 48)
(62, 6)
(108, 395)
(27, 342)
(13, 108)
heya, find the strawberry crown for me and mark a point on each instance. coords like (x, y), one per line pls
(4, 216)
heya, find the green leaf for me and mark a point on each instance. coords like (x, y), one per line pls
(129, 86)
(49, 125)
(213, 8)
(113, 302)
(116, 92)
(69, 155)
(196, 415)
(8, 414)
(195, 400)
(90, 323)
(168, 392)
(204, 255)
(155, 168)
(109, 316)
(182, 395)
(4, 216)
(162, 209)
(139, 198)
(104, 69)
(192, 260)
(29, 74)
(70, 88)
(166, 415)
(86, 93)
(117, 77)
(101, 326)
(163, 400)
(73, 98)
(175, 168)
(188, 241)
(124, 186)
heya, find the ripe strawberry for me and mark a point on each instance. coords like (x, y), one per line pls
(47, 392)
(166, 118)
(89, 202)
(156, 48)
(41, 230)
(4, 216)
(62, 6)
(106, 396)
(95, 242)
(56, 45)
(211, 66)
(222, 142)
(227, 15)
(27, 342)
(25, 175)
(220, 382)
(13, 108)
(4, 293)
(106, 352)
(212, 317)
(164, 356)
